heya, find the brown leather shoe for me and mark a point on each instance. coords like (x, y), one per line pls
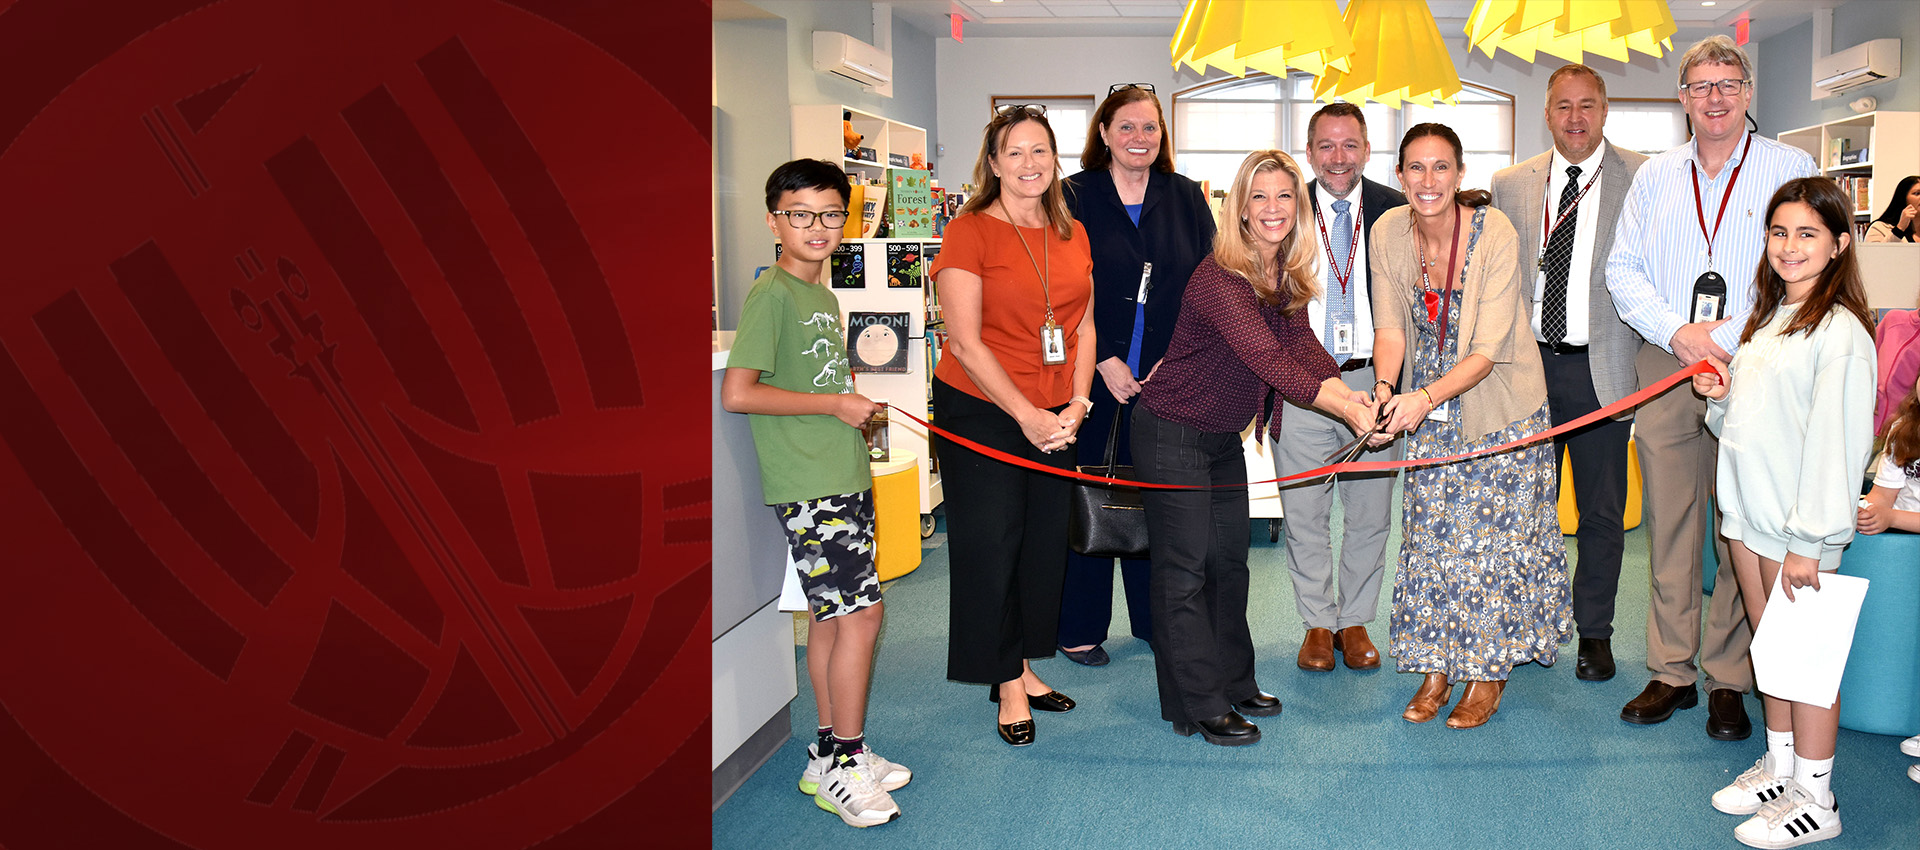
(1356, 649)
(1658, 702)
(1477, 705)
(1316, 651)
(1434, 692)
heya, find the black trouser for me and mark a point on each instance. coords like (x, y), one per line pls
(1599, 453)
(1203, 650)
(1086, 602)
(1007, 541)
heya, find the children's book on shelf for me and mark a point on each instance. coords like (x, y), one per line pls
(910, 208)
(903, 265)
(929, 251)
(873, 206)
(847, 268)
(877, 342)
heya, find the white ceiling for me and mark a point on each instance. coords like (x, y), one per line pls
(1016, 18)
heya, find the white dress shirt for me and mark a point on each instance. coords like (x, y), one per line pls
(1356, 282)
(1585, 225)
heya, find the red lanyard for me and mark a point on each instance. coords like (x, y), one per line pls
(1437, 310)
(1548, 204)
(1701, 213)
(1353, 245)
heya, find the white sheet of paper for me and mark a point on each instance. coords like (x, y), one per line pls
(1801, 647)
(792, 598)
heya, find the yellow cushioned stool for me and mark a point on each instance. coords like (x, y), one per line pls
(1570, 513)
(896, 514)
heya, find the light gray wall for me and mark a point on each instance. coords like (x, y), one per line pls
(1782, 83)
(762, 68)
(971, 73)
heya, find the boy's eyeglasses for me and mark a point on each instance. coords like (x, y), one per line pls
(1037, 110)
(1120, 87)
(1727, 88)
(803, 219)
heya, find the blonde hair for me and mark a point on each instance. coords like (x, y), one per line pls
(1715, 50)
(1053, 202)
(1294, 283)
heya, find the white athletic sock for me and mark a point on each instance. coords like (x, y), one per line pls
(1815, 775)
(1780, 753)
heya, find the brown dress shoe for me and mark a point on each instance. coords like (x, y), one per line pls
(1477, 705)
(1426, 702)
(1316, 651)
(1356, 649)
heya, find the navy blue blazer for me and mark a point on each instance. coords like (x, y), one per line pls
(1374, 200)
(1175, 234)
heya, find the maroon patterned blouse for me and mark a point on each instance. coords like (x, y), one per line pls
(1227, 350)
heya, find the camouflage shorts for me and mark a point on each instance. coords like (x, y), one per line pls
(832, 543)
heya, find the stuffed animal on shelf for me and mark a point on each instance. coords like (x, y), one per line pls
(919, 162)
(846, 132)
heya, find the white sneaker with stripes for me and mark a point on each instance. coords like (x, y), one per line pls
(1750, 790)
(1790, 821)
(848, 790)
(1911, 746)
(1913, 772)
(892, 775)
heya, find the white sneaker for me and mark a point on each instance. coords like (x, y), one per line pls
(1913, 772)
(1750, 790)
(893, 775)
(848, 791)
(1792, 820)
(1911, 746)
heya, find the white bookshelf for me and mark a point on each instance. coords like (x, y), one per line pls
(817, 134)
(1889, 140)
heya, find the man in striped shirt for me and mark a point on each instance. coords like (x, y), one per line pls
(1694, 213)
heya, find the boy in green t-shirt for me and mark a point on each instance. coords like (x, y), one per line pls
(789, 371)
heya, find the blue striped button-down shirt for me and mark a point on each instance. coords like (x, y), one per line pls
(1658, 250)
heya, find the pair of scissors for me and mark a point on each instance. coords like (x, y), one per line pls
(1346, 453)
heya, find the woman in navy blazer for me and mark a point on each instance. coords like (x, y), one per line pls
(1137, 212)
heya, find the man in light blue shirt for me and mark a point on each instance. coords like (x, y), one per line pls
(1694, 212)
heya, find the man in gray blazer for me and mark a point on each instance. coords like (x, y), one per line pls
(1564, 203)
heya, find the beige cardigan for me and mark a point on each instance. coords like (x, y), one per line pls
(1494, 320)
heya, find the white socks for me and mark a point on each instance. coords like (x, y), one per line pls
(1780, 753)
(1815, 775)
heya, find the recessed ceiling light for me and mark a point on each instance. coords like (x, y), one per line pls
(1702, 2)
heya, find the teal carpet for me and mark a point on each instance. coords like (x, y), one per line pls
(1556, 768)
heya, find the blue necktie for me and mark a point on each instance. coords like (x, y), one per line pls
(1339, 303)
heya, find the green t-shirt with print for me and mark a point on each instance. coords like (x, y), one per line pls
(790, 331)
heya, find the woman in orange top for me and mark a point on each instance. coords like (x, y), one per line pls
(1015, 280)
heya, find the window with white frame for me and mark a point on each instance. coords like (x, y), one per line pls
(1216, 124)
(1069, 116)
(1647, 125)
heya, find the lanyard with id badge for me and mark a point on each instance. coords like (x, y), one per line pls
(1439, 307)
(1343, 332)
(1053, 338)
(1710, 289)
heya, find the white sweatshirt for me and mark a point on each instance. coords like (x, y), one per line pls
(1796, 433)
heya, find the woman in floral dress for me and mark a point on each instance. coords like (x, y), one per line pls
(1481, 584)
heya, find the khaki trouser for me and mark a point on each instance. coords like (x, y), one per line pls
(1677, 460)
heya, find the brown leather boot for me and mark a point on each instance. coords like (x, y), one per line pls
(1426, 702)
(1356, 649)
(1477, 705)
(1316, 651)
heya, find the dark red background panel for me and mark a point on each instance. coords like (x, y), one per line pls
(350, 401)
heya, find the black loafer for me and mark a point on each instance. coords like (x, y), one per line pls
(1595, 663)
(1227, 730)
(1049, 701)
(1019, 733)
(1261, 704)
(1658, 702)
(1727, 715)
(1094, 657)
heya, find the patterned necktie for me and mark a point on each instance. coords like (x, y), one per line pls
(1339, 303)
(1559, 256)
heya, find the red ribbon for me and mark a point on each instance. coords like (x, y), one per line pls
(1632, 401)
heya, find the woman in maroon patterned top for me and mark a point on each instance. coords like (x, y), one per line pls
(1242, 334)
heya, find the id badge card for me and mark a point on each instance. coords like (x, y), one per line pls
(1053, 344)
(1442, 413)
(1343, 338)
(1709, 297)
(1146, 282)
(1706, 308)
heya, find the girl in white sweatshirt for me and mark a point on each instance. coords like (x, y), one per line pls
(1794, 414)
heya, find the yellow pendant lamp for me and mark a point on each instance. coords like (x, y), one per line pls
(1234, 35)
(1570, 29)
(1398, 55)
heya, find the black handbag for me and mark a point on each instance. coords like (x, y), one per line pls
(1108, 521)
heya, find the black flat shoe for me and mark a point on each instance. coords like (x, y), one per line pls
(1261, 704)
(1092, 657)
(1049, 701)
(1595, 663)
(1227, 730)
(1019, 733)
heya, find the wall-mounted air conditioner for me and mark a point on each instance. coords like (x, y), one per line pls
(1862, 64)
(863, 63)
